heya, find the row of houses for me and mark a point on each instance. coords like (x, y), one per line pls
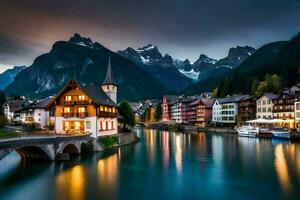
(231, 110)
(77, 108)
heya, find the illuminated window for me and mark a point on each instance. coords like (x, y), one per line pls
(113, 109)
(82, 97)
(81, 109)
(68, 98)
(101, 108)
(77, 125)
(105, 109)
(66, 126)
(67, 110)
(109, 110)
(103, 125)
(109, 126)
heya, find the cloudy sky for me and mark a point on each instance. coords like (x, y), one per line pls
(184, 29)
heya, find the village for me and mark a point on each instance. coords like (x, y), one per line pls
(204, 112)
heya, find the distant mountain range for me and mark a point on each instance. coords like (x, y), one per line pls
(86, 61)
(146, 73)
(8, 76)
(202, 68)
(281, 58)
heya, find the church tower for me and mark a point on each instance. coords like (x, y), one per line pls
(109, 86)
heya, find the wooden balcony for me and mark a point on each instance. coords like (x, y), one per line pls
(107, 114)
(74, 103)
(80, 115)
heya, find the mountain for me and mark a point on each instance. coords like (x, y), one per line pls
(235, 57)
(203, 63)
(161, 67)
(9, 75)
(281, 58)
(86, 61)
(148, 55)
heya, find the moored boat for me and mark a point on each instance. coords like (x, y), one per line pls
(247, 131)
(281, 133)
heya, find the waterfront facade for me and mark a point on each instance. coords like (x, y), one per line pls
(284, 106)
(297, 112)
(82, 108)
(247, 108)
(264, 106)
(204, 112)
(167, 102)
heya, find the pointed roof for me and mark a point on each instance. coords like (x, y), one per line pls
(109, 79)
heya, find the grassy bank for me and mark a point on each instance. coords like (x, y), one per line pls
(108, 141)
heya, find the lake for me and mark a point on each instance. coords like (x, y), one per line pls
(163, 165)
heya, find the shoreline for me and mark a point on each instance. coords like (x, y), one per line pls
(295, 136)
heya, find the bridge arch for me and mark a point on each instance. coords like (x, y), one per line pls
(35, 153)
(71, 149)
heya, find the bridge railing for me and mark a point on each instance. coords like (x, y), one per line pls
(42, 137)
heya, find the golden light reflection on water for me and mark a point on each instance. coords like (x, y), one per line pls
(150, 139)
(108, 173)
(178, 153)
(166, 148)
(70, 184)
(281, 168)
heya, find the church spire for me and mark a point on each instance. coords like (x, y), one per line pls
(109, 79)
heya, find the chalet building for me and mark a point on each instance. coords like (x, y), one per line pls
(284, 106)
(11, 108)
(225, 110)
(247, 108)
(167, 102)
(180, 110)
(82, 108)
(264, 106)
(200, 112)
(37, 113)
(297, 112)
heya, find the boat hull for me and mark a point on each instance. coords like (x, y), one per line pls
(282, 135)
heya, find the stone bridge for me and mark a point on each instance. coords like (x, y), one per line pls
(44, 147)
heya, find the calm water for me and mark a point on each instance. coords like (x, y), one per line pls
(163, 165)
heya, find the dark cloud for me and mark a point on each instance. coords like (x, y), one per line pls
(181, 28)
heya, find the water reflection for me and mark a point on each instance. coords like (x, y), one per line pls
(70, 184)
(165, 165)
(108, 173)
(178, 153)
(282, 169)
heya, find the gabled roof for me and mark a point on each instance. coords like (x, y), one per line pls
(232, 99)
(15, 105)
(271, 96)
(42, 103)
(95, 93)
(109, 79)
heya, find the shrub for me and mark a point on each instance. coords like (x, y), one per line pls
(108, 141)
(3, 121)
(87, 148)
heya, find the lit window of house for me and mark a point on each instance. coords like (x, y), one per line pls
(81, 109)
(68, 98)
(113, 109)
(105, 109)
(82, 97)
(67, 110)
(109, 109)
(109, 126)
(101, 108)
(104, 125)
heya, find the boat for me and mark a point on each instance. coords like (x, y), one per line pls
(247, 131)
(265, 133)
(282, 133)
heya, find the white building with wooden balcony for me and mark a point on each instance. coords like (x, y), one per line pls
(82, 108)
